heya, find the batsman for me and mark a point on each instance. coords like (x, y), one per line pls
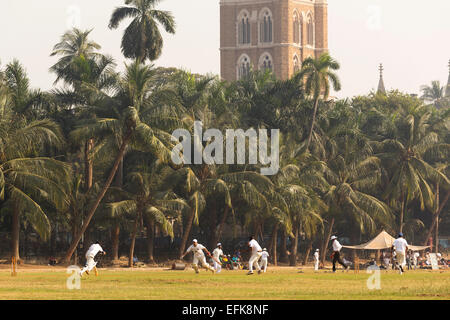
(199, 256)
(90, 256)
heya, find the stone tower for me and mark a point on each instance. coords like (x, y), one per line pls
(270, 34)
(381, 88)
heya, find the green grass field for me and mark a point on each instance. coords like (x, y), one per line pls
(279, 283)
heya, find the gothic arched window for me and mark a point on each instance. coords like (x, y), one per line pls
(265, 62)
(310, 30)
(266, 26)
(243, 66)
(296, 63)
(244, 35)
(297, 28)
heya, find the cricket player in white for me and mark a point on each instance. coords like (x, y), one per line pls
(217, 253)
(256, 255)
(401, 247)
(90, 255)
(316, 260)
(264, 256)
(199, 256)
(415, 259)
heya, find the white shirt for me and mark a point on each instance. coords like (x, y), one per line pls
(217, 253)
(93, 250)
(197, 250)
(264, 255)
(255, 246)
(316, 256)
(400, 245)
(336, 245)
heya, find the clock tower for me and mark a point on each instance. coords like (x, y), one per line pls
(270, 34)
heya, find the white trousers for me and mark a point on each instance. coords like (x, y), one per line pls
(202, 260)
(264, 264)
(217, 266)
(254, 261)
(316, 265)
(401, 258)
(90, 264)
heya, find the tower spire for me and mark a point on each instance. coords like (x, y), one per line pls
(447, 90)
(381, 88)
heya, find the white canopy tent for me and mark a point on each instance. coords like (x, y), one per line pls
(382, 241)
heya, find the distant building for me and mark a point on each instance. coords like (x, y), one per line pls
(271, 34)
(381, 88)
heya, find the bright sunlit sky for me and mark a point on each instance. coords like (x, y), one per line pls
(410, 37)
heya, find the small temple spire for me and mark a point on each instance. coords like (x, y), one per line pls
(447, 90)
(381, 88)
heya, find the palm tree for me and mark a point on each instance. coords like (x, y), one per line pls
(402, 152)
(439, 123)
(434, 92)
(353, 174)
(131, 102)
(85, 73)
(280, 221)
(76, 200)
(74, 44)
(317, 74)
(304, 210)
(142, 39)
(21, 98)
(27, 181)
(143, 200)
(299, 183)
(4, 93)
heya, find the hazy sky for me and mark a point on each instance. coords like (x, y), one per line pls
(410, 37)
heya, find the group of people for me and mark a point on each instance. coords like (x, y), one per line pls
(412, 260)
(256, 254)
(199, 251)
(398, 252)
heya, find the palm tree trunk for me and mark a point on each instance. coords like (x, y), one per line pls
(283, 249)
(402, 212)
(186, 233)
(437, 237)
(294, 248)
(308, 251)
(218, 233)
(91, 212)
(53, 242)
(15, 232)
(150, 239)
(115, 241)
(133, 242)
(325, 241)
(316, 105)
(273, 244)
(74, 232)
(436, 217)
(88, 164)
